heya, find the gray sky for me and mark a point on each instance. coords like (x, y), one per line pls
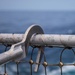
(37, 4)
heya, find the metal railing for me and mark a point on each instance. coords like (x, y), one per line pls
(34, 37)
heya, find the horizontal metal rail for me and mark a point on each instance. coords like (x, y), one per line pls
(10, 38)
(35, 37)
(40, 39)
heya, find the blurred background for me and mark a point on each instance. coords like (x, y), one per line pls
(54, 16)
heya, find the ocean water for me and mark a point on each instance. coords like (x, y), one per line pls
(52, 22)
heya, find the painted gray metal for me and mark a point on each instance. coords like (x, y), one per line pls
(34, 36)
(53, 40)
(40, 39)
(19, 50)
(11, 38)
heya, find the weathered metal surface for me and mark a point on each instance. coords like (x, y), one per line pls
(11, 38)
(40, 39)
(53, 40)
(34, 37)
(11, 55)
(19, 50)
